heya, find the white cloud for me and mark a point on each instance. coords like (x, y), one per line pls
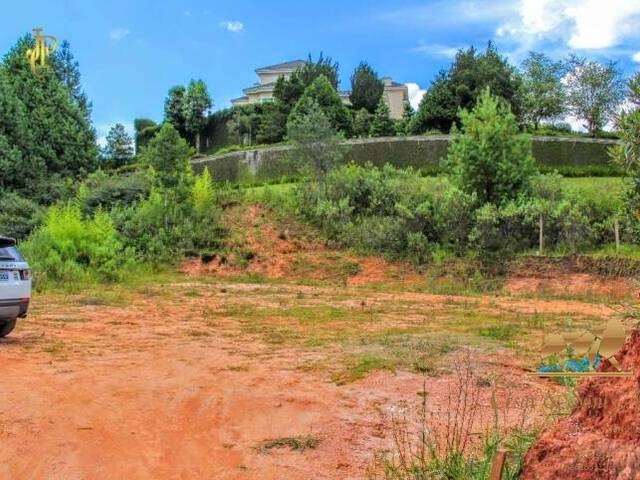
(436, 50)
(636, 57)
(186, 13)
(415, 94)
(118, 34)
(234, 26)
(588, 25)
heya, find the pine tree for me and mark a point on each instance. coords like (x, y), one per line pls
(42, 122)
(68, 72)
(119, 148)
(489, 157)
(382, 125)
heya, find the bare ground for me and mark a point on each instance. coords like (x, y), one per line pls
(185, 377)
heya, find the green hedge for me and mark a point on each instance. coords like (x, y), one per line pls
(570, 157)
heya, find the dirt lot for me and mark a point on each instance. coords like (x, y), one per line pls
(188, 375)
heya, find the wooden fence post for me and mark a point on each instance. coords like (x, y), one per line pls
(541, 235)
(616, 226)
(498, 464)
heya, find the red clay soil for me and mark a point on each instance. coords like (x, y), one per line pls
(573, 283)
(600, 440)
(154, 390)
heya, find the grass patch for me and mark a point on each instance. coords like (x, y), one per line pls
(503, 333)
(359, 368)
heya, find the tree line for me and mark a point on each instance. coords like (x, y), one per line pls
(541, 93)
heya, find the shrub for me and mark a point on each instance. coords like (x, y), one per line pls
(105, 191)
(489, 157)
(70, 249)
(18, 215)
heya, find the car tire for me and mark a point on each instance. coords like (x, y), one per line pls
(7, 327)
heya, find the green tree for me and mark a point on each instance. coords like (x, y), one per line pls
(119, 147)
(168, 155)
(489, 157)
(197, 104)
(595, 91)
(145, 129)
(627, 155)
(544, 94)
(273, 123)
(461, 85)
(633, 85)
(382, 125)
(316, 144)
(436, 107)
(362, 123)
(245, 122)
(366, 88)
(48, 138)
(289, 90)
(403, 127)
(67, 70)
(174, 109)
(322, 92)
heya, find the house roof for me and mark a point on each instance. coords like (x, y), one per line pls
(260, 87)
(285, 66)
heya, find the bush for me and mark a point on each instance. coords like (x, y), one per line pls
(18, 215)
(105, 191)
(70, 249)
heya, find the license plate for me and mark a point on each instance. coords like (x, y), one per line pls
(4, 276)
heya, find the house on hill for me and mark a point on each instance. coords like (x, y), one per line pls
(396, 94)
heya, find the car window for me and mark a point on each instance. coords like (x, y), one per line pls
(10, 253)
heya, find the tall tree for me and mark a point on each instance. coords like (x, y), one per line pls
(595, 91)
(119, 147)
(382, 125)
(460, 86)
(47, 133)
(174, 108)
(544, 94)
(197, 104)
(366, 88)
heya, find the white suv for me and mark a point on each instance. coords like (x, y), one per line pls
(15, 285)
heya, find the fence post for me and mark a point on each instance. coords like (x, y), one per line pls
(498, 464)
(541, 235)
(616, 226)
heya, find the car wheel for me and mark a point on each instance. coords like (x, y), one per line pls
(7, 327)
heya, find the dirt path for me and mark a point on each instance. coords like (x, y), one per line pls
(152, 387)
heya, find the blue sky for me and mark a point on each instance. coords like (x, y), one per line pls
(131, 52)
